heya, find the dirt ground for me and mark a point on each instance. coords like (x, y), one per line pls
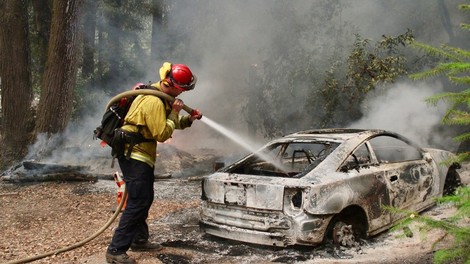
(40, 217)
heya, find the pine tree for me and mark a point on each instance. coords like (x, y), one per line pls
(455, 67)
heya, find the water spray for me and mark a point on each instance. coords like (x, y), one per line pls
(224, 131)
(237, 139)
(229, 134)
(219, 128)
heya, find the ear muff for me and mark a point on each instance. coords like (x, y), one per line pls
(163, 72)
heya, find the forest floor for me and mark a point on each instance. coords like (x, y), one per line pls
(39, 217)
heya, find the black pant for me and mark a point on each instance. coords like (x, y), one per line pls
(132, 226)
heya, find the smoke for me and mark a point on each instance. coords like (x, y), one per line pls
(221, 40)
(76, 145)
(401, 108)
(385, 17)
(227, 37)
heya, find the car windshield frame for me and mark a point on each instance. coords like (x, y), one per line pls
(302, 156)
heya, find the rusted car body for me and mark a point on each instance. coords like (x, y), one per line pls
(313, 186)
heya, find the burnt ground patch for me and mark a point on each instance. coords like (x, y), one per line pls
(173, 259)
(210, 249)
(180, 231)
(37, 217)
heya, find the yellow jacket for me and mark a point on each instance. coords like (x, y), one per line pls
(155, 119)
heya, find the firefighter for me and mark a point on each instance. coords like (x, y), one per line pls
(155, 119)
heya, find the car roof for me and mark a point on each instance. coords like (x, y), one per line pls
(337, 134)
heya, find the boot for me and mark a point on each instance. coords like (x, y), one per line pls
(146, 246)
(119, 259)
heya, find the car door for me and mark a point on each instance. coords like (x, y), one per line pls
(367, 179)
(408, 175)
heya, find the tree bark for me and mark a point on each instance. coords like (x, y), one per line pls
(42, 23)
(15, 80)
(89, 29)
(115, 46)
(57, 89)
(157, 30)
(110, 52)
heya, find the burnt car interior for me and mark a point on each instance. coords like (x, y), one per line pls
(287, 159)
(379, 150)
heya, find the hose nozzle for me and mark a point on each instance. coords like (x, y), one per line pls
(196, 113)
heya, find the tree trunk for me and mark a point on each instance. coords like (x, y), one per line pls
(42, 22)
(15, 80)
(89, 29)
(157, 31)
(115, 52)
(110, 52)
(57, 89)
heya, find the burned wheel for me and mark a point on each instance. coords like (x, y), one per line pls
(453, 180)
(347, 227)
(343, 234)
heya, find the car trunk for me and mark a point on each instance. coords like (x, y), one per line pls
(246, 193)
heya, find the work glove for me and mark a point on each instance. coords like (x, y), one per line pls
(195, 114)
(177, 106)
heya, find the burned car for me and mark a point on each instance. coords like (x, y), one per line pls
(327, 184)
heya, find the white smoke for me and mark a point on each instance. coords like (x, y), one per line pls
(402, 108)
(227, 37)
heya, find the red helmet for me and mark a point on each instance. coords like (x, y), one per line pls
(181, 77)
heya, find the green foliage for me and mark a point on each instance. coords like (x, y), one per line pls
(465, 8)
(346, 85)
(455, 67)
(119, 45)
(278, 88)
(453, 226)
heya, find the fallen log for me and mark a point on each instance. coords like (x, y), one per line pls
(43, 177)
(52, 168)
(32, 171)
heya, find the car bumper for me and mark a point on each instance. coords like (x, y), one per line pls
(245, 235)
(262, 227)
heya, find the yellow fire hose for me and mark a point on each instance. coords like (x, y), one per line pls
(79, 244)
(124, 197)
(147, 92)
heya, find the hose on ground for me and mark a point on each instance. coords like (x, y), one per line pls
(78, 244)
(118, 210)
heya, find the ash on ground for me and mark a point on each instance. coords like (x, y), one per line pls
(40, 216)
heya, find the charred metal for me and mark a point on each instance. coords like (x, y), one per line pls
(319, 185)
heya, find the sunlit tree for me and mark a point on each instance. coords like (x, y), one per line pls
(58, 83)
(15, 80)
(456, 66)
(368, 66)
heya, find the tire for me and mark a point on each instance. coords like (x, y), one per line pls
(345, 229)
(452, 181)
(342, 234)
